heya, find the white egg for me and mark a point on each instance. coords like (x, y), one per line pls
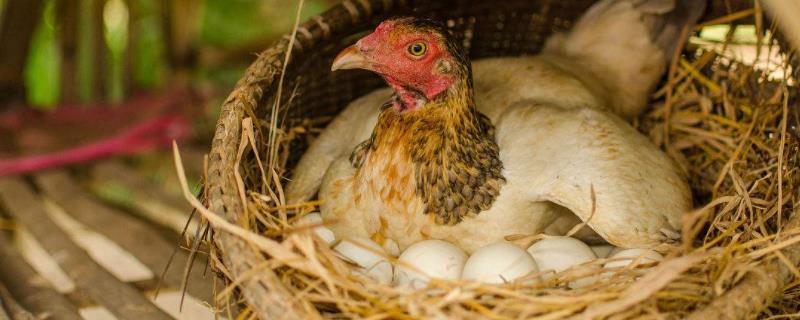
(322, 232)
(369, 256)
(614, 251)
(429, 259)
(498, 263)
(640, 256)
(603, 251)
(557, 254)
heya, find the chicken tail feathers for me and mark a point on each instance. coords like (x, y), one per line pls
(625, 46)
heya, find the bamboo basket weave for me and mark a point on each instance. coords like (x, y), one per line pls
(741, 262)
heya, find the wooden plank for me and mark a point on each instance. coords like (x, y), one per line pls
(121, 299)
(13, 310)
(43, 264)
(3, 313)
(144, 197)
(109, 255)
(32, 291)
(135, 236)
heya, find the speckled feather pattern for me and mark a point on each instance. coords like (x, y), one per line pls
(450, 150)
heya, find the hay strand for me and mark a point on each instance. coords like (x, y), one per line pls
(726, 124)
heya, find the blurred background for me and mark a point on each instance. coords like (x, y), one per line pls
(81, 51)
(79, 71)
(82, 81)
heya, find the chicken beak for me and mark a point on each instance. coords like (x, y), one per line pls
(350, 58)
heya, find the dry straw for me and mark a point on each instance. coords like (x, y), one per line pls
(733, 133)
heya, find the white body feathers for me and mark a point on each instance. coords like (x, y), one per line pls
(560, 135)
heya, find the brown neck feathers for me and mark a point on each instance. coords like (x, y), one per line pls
(452, 149)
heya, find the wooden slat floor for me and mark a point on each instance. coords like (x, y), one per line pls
(71, 254)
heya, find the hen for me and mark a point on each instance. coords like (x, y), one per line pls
(533, 138)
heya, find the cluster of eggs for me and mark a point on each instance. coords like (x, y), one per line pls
(499, 262)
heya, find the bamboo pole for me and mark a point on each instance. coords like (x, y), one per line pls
(100, 54)
(124, 301)
(25, 284)
(68, 41)
(126, 231)
(13, 309)
(20, 18)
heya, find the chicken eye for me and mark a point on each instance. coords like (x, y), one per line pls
(417, 49)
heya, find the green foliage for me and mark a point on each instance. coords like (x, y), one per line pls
(86, 60)
(223, 24)
(116, 35)
(227, 23)
(235, 23)
(2, 6)
(42, 70)
(148, 50)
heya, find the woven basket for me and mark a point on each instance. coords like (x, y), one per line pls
(310, 90)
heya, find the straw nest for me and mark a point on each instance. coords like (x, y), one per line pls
(733, 132)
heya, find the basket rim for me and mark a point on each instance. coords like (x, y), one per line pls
(752, 294)
(238, 256)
